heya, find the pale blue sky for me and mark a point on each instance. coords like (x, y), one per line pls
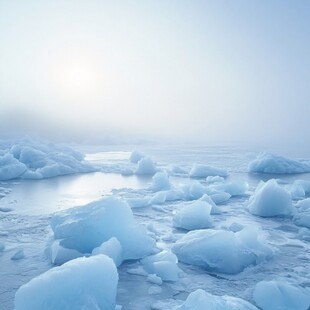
(215, 71)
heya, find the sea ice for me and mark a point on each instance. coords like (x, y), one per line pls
(136, 156)
(163, 265)
(160, 181)
(270, 199)
(220, 197)
(236, 188)
(203, 171)
(202, 300)
(82, 283)
(87, 227)
(146, 166)
(280, 295)
(302, 218)
(61, 255)
(222, 251)
(29, 159)
(111, 248)
(195, 215)
(269, 163)
(215, 209)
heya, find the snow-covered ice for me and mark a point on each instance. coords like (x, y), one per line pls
(82, 283)
(274, 164)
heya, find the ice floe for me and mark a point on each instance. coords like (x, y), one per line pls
(203, 171)
(195, 215)
(274, 164)
(87, 227)
(202, 300)
(222, 251)
(29, 159)
(280, 295)
(270, 199)
(163, 265)
(82, 283)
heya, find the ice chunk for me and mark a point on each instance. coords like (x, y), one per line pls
(202, 300)
(160, 181)
(203, 171)
(158, 199)
(215, 209)
(303, 216)
(127, 171)
(33, 159)
(153, 278)
(82, 283)
(2, 246)
(233, 188)
(220, 197)
(215, 179)
(163, 265)
(297, 191)
(10, 167)
(61, 255)
(136, 156)
(193, 190)
(111, 248)
(87, 227)
(146, 166)
(270, 199)
(177, 170)
(280, 295)
(137, 202)
(19, 254)
(269, 163)
(305, 184)
(222, 251)
(194, 216)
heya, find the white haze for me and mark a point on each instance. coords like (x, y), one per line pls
(189, 71)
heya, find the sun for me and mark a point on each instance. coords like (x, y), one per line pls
(76, 77)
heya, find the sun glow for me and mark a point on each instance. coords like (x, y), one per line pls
(76, 77)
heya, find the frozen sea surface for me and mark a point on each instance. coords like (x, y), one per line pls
(26, 207)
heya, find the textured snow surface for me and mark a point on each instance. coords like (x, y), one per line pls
(82, 283)
(269, 163)
(33, 159)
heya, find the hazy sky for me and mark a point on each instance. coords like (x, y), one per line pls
(215, 71)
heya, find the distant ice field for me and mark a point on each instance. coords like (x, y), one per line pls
(26, 208)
